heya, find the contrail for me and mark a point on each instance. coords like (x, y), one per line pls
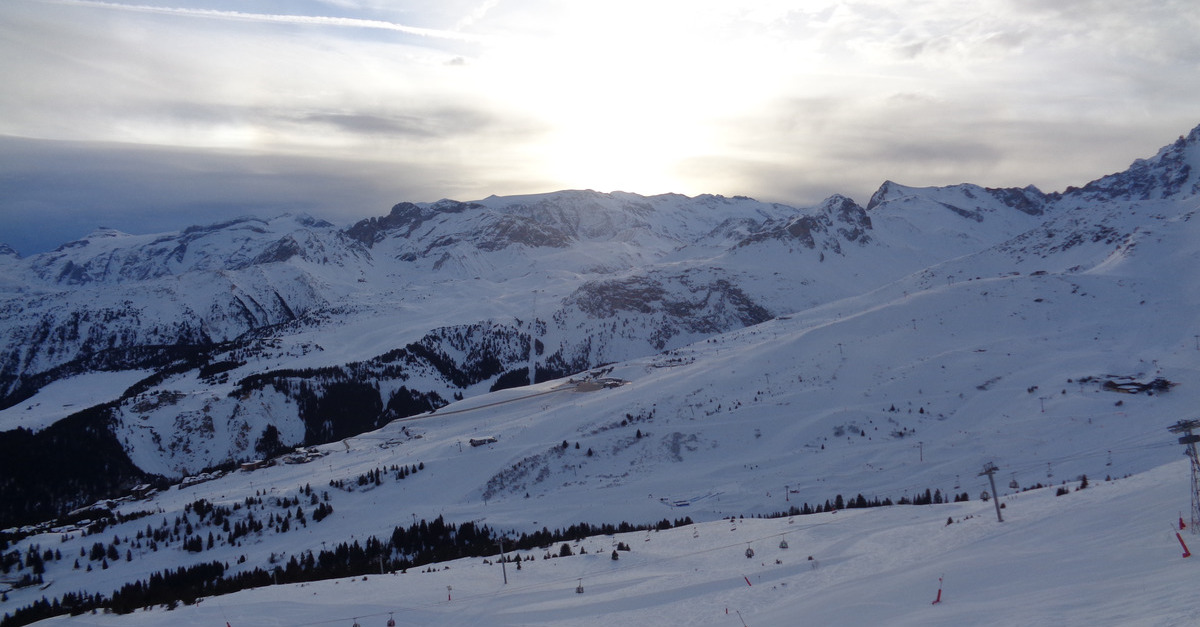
(316, 20)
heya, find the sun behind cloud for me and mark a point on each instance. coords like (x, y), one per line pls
(626, 99)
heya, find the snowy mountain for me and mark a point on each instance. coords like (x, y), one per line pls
(1172, 173)
(435, 301)
(707, 357)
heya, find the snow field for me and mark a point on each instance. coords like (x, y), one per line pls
(1105, 555)
(65, 397)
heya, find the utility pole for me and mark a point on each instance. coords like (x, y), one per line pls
(1189, 440)
(990, 470)
(533, 341)
(502, 568)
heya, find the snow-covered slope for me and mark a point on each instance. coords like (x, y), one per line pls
(249, 312)
(1101, 556)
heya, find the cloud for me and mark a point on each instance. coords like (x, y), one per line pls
(476, 14)
(55, 191)
(58, 191)
(144, 78)
(440, 124)
(271, 18)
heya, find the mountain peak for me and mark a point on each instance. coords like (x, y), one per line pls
(844, 209)
(889, 190)
(1172, 173)
(965, 199)
(104, 231)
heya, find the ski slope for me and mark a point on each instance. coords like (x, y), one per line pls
(67, 396)
(1106, 555)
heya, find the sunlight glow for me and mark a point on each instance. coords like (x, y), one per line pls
(626, 101)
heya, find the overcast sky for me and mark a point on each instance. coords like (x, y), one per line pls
(151, 115)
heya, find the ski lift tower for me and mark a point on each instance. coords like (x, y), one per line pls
(990, 469)
(533, 341)
(1189, 440)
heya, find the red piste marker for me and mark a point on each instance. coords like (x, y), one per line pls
(939, 596)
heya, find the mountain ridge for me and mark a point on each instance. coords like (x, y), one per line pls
(282, 324)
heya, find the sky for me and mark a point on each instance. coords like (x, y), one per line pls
(153, 115)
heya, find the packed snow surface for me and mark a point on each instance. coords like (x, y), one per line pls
(1105, 555)
(67, 396)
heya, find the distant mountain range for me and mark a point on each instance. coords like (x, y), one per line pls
(242, 339)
